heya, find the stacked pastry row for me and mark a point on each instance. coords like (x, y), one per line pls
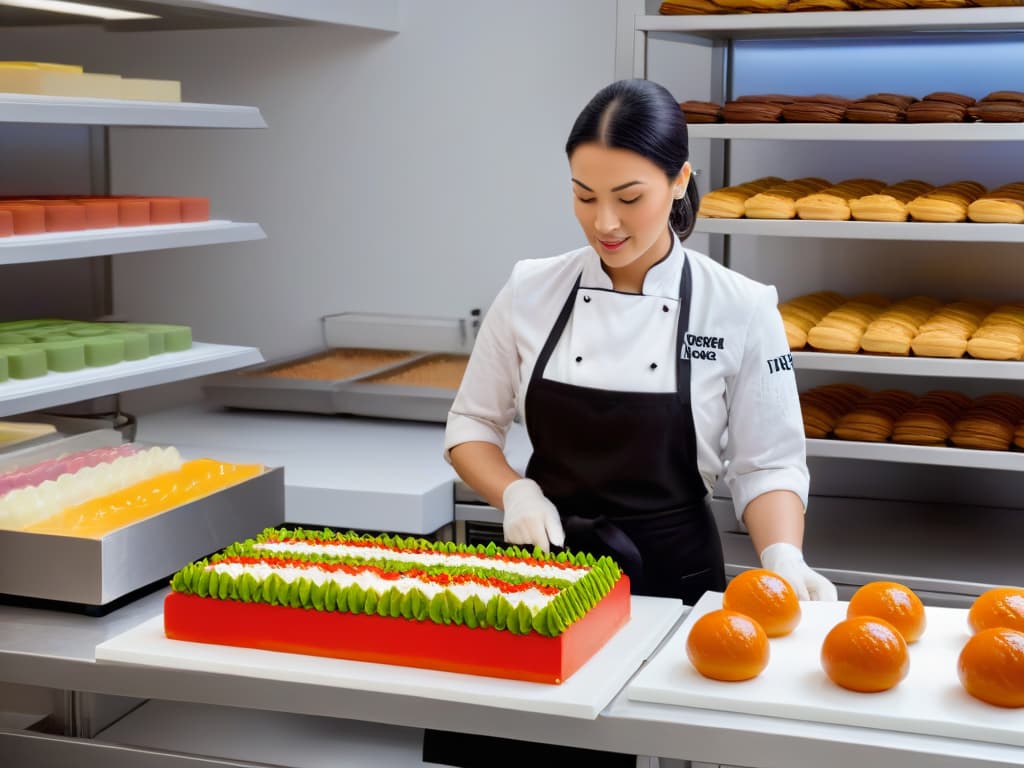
(813, 198)
(36, 215)
(702, 7)
(922, 325)
(845, 411)
(936, 107)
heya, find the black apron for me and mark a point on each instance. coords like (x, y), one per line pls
(621, 467)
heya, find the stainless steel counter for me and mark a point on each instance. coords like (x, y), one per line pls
(55, 649)
(326, 464)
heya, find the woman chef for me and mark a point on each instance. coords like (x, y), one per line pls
(642, 371)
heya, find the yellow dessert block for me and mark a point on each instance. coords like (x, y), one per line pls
(13, 432)
(98, 517)
(150, 90)
(45, 65)
(44, 82)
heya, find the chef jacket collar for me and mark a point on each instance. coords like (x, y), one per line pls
(662, 279)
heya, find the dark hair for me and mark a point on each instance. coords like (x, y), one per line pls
(643, 117)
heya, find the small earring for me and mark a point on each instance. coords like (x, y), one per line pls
(678, 194)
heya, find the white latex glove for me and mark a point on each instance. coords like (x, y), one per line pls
(530, 518)
(788, 562)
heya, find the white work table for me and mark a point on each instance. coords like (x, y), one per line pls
(340, 471)
(380, 474)
(50, 648)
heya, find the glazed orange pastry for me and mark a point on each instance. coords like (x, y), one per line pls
(998, 607)
(100, 516)
(893, 602)
(765, 597)
(991, 667)
(865, 654)
(728, 646)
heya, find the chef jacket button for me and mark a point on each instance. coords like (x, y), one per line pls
(653, 366)
(586, 299)
(664, 307)
(579, 359)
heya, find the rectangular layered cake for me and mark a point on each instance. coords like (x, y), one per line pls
(511, 613)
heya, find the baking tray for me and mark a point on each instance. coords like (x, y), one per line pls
(929, 701)
(251, 388)
(366, 397)
(95, 572)
(422, 339)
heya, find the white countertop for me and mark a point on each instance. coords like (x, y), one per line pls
(341, 471)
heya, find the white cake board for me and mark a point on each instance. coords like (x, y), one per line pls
(588, 691)
(930, 700)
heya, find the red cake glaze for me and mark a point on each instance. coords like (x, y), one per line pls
(453, 648)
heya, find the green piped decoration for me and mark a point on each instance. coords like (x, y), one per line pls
(292, 599)
(504, 609)
(525, 618)
(436, 609)
(472, 607)
(225, 586)
(384, 604)
(277, 588)
(419, 604)
(370, 603)
(204, 583)
(316, 595)
(246, 586)
(573, 601)
(355, 598)
(453, 608)
(331, 597)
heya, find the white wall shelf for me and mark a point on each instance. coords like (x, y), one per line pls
(865, 230)
(27, 108)
(381, 15)
(916, 454)
(844, 23)
(22, 396)
(55, 246)
(859, 131)
(959, 368)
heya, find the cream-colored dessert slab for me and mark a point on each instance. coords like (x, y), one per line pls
(583, 695)
(930, 700)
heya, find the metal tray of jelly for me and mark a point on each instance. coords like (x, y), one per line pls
(97, 571)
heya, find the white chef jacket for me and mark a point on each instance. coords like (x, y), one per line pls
(743, 392)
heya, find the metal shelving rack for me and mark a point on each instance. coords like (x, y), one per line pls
(100, 114)
(56, 389)
(719, 33)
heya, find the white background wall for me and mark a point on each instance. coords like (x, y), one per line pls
(400, 173)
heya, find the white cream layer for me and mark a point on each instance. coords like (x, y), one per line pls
(532, 598)
(426, 558)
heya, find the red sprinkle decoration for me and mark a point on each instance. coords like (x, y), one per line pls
(442, 579)
(424, 551)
